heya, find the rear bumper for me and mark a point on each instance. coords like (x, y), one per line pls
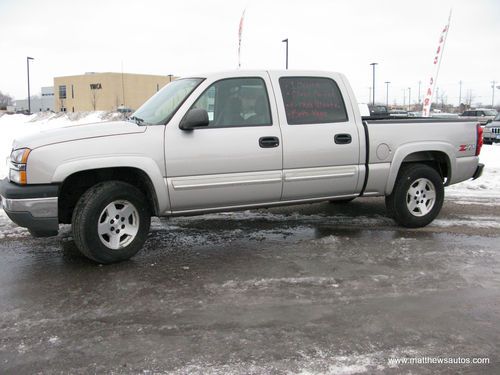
(478, 172)
(33, 207)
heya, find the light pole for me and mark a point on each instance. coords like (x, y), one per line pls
(460, 93)
(373, 87)
(493, 93)
(387, 94)
(419, 83)
(29, 94)
(286, 41)
(409, 99)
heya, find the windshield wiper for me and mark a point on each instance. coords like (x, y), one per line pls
(137, 120)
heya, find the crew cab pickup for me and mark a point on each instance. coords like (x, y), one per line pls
(231, 141)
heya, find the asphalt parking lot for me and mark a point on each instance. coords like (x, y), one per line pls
(312, 289)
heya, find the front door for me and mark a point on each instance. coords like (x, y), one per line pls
(237, 159)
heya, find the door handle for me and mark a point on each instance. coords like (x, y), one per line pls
(269, 142)
(343, 139)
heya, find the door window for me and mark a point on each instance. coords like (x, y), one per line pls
(312, 100)
(236, 102)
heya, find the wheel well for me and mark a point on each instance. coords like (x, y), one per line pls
(435, 159)
(76, 184)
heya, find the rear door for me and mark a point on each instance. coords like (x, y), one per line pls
(321, 143)
(237, 159)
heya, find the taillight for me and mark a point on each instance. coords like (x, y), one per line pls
(479, 140)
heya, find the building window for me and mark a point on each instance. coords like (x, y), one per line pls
(62, 92)
(72, 93)
(95, 86)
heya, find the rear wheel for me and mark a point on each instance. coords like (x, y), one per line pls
(111, 222)
(417, 196)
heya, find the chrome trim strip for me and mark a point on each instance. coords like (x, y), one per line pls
(318, 177)
(37, 207)
(224, 180)
(319, 173)
(180, 186)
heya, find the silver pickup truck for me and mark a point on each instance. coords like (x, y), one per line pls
(230, 141)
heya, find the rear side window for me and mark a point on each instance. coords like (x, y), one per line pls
(312, 100)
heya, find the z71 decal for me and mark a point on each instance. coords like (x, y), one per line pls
(464, 148)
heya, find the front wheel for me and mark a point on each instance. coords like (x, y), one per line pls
(111, 222)
(417, 196)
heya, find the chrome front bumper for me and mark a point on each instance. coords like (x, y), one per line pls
(31, 206)
(36, 214)
(37, 207)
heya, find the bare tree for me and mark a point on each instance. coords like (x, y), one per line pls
(443, 98)
(93, 98)
(5, 100)
(469, 98)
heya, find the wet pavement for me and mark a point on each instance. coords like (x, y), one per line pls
(315, 289)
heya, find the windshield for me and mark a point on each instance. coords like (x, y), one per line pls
(490, 113)
(160, 108)
(497, 118)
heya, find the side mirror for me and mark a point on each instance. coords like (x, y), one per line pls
(489, 121)
(194, 118)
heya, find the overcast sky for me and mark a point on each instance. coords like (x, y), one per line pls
(191, 36)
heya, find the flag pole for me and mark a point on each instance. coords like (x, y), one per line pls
(426, 106)
(240, 33)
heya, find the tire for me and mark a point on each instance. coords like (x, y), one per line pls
(417, 197)
(102, 213)
(341, 201)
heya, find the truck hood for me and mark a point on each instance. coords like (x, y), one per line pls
(76, 132)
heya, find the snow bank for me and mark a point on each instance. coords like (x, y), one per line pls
(484, 190)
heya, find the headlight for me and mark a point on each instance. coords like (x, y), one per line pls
(17, 168)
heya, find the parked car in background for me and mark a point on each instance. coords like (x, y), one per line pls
(491, 132)
(480, 114)
(124, 110)
(378, 111)
(398, 113)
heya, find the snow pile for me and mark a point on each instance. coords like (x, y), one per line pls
(484, 190)
(18, 125)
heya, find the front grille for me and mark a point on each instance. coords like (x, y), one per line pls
(495, 130)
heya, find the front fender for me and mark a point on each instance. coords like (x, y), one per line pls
(144, 164)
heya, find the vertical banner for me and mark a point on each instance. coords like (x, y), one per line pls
(426, 108)
(240, 33)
